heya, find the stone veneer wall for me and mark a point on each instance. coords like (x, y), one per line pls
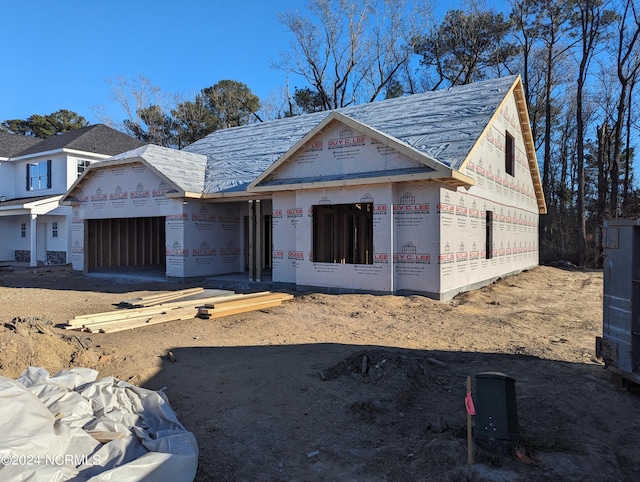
(23, 256)
(53, 257)
(56, 257)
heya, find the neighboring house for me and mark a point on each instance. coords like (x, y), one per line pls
(434, 193)
(34, 174)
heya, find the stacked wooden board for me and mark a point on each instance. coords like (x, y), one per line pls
(241, 303)
(164, 297)
(159, 308)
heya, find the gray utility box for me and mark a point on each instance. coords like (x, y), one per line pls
(620, 341)
(496, 408)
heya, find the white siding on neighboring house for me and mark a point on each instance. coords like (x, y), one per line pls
(7, 235)
(20, 242)
(72, 166)
(21, 177)
(71, 170)
(69, 236)
(59, 174)
(7, 179)
(53, 242)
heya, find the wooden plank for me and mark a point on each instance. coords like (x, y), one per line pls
(247, 299)
(133, 322)
(135, 315)
(238, 296)
(244, 309)
(234, 310)
(139, 317)
(165, 296)
(242, 302)
(115, 314)
(155, 299)
(138, 323)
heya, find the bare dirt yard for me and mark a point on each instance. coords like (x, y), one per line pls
(280, 394)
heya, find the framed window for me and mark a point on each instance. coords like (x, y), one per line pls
(38, 175)
(54, 229)
(23, 230)
(489, 235)
(343, 233)
(82, 166)
(509, 154)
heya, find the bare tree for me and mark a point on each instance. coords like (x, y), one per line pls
(468, 45)
(133, 96)
(628, 178)
(591, 20)
(544, 23)
(349, 51)
(193, 121)
(628, 66)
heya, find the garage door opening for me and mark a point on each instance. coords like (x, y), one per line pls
(136, 244)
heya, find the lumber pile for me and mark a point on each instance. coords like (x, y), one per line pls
(234, 304)
(138, 312)
(160, 298)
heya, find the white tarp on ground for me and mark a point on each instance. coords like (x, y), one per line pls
(45, 422)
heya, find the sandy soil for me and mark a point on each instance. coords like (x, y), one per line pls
(280, 394)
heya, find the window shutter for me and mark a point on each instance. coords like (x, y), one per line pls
(28, 185)
(49, 174)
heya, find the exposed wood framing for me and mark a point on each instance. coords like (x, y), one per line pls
(121, 242)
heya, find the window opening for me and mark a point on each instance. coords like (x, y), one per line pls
(509, 154)
(489, 235)
(343, 233)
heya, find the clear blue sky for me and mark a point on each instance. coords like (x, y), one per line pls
(59, 54)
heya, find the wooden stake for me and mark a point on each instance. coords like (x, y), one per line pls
(469, 435)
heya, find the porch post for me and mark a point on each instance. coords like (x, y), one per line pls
(33, 241)
(251, 244)
(258, 239)
(391, 248)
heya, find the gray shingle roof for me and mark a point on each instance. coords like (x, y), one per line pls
(22, 201)
(12, 144)
(186, 170)
(444, 125)
(97, 138)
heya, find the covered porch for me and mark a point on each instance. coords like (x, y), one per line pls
(33, 231)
